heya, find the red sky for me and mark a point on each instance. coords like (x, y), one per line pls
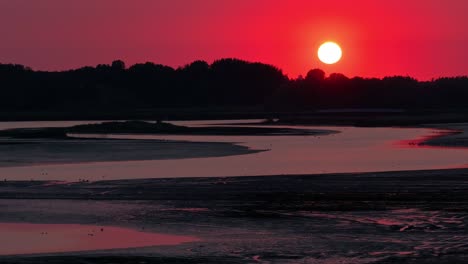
(421, 38)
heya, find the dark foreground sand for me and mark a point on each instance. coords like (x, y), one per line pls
(392, 217)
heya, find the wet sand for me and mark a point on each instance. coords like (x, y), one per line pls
(390, 217)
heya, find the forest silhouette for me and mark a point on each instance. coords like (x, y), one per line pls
(225, 83)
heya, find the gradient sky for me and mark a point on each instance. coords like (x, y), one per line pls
(421, 38)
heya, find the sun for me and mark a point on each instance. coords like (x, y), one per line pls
(329, 52)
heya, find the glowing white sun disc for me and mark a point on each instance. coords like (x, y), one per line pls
(329, 52)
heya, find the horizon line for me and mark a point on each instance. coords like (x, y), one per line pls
(299, 76)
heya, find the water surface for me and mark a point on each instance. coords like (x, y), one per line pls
(25, 238)
(352, 150)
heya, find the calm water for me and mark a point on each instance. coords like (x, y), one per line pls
(25, 238)
(352, 150)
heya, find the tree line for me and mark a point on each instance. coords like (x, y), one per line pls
(224, 83)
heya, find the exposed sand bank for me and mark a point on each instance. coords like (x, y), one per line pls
(27, 152)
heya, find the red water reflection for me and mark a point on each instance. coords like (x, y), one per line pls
(422, 141)
(24, 238)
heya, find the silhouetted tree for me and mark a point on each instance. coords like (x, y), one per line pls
(118, 65)
(315, 76)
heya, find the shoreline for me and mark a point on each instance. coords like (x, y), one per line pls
(108, 189)
(457, 136)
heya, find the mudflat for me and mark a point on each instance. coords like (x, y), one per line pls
(389, 217)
